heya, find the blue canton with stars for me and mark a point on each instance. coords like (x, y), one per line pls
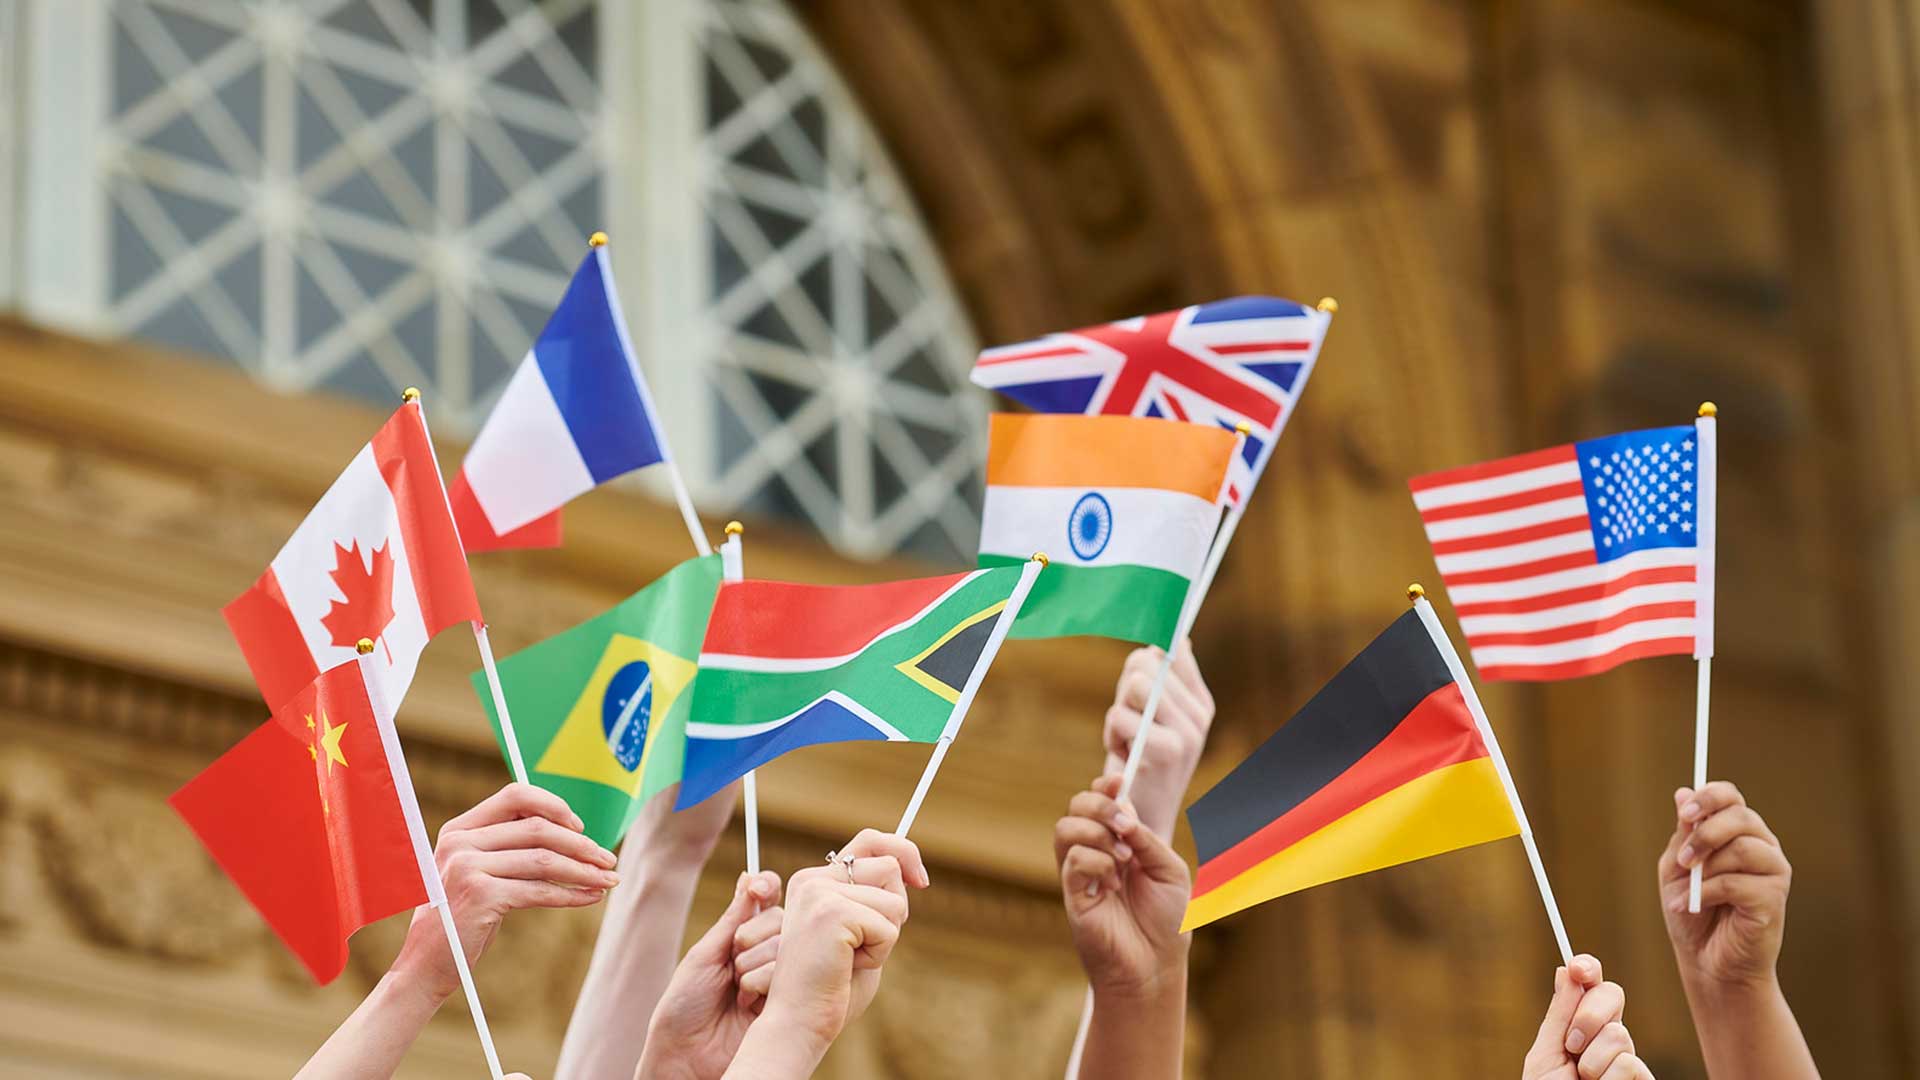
(1641, 490)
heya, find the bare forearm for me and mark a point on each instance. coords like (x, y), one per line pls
(1137, 1038)
(373, 1040)
(633, 959)
(1748, 1032)
(776, 1049)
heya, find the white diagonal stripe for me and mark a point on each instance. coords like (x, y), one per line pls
(717, 732)
(788, 665)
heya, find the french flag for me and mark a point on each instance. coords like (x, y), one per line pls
(575, 415)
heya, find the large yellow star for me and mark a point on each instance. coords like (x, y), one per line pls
(330, 741)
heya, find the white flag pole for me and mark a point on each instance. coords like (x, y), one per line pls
(598, 242)
(1003, 623)
(411, 396)
(1445, 644)
(423, 850)
(1706, 529)
(733, 568)
(1189, 610)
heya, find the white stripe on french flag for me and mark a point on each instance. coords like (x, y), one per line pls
(575, 415)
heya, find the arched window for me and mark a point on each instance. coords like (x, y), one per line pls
(361, 195)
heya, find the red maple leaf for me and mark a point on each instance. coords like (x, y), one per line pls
(368, 606)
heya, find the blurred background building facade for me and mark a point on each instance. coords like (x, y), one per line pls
(231, 232)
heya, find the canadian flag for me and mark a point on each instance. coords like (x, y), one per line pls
(378, 557)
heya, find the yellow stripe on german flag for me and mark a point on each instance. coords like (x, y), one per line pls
(1383, 766)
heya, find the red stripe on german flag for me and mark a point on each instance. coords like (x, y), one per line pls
(1383, 766)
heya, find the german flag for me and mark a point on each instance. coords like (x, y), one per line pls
(1383, 766)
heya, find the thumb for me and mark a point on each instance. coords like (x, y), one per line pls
(1549, 1046)
(715, 947)
(1153, 856)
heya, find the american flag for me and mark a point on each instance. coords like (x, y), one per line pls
(1244, 359)
(1568, 561)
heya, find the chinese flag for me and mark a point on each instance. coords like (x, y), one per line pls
(306, 818)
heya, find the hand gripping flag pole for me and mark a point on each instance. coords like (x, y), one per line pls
(1001, 625)
(412, 396)
(733, 568)
(1444, 643)
(1705, 425)
(423, 850)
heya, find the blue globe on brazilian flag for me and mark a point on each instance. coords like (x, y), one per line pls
(601, 709)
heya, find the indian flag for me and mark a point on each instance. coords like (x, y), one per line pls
(1124, 507)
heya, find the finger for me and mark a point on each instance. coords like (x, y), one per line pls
(516, 801)
(537, 833)
(1549, 1043)
(760, 955)
(879, 871)
(1094, 806)
(887, 904)
(1742, 892)
(1598, 1007)
(1154, 856)
(1136, 681)
(758, 930)
(1086, 870)
(715, 947)
(539, 864)
(1746, 855)
(873, 842)
(756, 983)
(1108, 783)
(1586, 970)
(516, 895)
(1710, 799)
(1668, 866)
(874, 934)
(1611, 1042)
(1186, 667)
(1714, 832)
(1071, 832)
(1627, 1067)
(1173, 736)
(764, 888)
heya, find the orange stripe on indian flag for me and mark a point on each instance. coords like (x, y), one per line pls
(1450, 808)
(1064, 450)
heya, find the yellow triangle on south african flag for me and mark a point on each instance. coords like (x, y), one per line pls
(591, 744)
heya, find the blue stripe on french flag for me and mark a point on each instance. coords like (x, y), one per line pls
(575, 415)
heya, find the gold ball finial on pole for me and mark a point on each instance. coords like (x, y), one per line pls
(597, 240)
(1708, 408)
(1415, 592)
(1328, 304)
(365, 646)
(410, 394)
(734, 528)
(1041, 558)
(1243, 428)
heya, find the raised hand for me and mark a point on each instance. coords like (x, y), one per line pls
(1125, 892)
(521, 847)
(1743, 889)
(1178, 735)
(718, 988)
(1582, 1036)
(842, 922)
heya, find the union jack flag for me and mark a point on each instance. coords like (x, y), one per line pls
(1244, 359)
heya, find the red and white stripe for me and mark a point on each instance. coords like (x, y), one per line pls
(389, 497)
(1514, 545)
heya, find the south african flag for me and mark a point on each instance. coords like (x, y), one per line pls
(786, 666)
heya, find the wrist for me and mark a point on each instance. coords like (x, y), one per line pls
(1166, 982)
(408, 989)
(1716, 992)
(779, 1045)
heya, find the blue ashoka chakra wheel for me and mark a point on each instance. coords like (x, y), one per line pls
(1090, 526)
(629, 741)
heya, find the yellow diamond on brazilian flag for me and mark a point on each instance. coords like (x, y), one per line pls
(594, 706)
(605, 733)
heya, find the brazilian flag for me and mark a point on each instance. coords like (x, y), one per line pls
(600, 710)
